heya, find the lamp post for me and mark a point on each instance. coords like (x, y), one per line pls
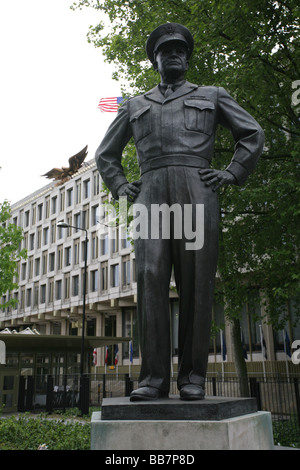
(65, 225)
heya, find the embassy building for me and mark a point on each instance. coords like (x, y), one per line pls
(51, 280)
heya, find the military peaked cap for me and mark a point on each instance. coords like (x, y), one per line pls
(168, 32)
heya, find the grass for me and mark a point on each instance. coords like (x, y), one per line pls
(43, 432)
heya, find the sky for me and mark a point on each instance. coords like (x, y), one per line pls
(51, 81)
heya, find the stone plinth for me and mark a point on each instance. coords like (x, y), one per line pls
(172, 424)
(212, 408)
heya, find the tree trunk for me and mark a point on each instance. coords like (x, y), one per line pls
(240, 364)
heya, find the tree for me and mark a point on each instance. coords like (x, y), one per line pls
(10, 239)
(252, 49)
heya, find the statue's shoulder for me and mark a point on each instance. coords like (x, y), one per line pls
(136, 100)
(206, 91)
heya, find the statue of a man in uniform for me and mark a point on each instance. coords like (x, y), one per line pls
(174, 126)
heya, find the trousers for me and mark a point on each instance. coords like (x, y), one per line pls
(179, 188)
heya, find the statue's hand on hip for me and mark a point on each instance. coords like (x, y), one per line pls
(216, 178)
(129, 190)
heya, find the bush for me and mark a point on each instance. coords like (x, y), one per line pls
(33, 433)
(286, 433)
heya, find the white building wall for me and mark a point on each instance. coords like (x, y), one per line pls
(50, 293)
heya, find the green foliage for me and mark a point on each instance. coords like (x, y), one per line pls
(10, 239)
(252, 49)
(29, 433)
(286, 433)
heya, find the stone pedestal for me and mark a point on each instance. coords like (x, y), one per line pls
(172, 424)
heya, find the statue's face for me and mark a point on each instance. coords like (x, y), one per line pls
(171, 60)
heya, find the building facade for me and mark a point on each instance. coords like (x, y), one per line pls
(50, 292)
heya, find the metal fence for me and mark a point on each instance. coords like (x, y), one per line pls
(278, 394)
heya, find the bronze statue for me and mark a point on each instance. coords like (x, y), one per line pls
(173, 126)
(64, 174)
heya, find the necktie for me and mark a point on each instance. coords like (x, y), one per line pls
(168, 91)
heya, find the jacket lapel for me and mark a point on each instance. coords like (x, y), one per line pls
(156, 95)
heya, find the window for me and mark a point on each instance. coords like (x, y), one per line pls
(46, 236)
(70, 197)
(94, 281)
(25, 240)
(76, 251)
(115, 240)
(23, 271)
(33, 215)
(115, 275)
(51, 288)
(126, 271)
(16, 297)
(23, 297)
(95, 214)
(86, 188)
(51, 261)
(69, 222)
(68, 256)
(96, 183)
(30, 267)
(37, 263)
(77, 221)
(39, 237)
(62, 200)
(60, 232)
(45, 262)
(53, 231)
(26, 218)
(36, 294)
(28, 298)
(104, 244)
(85, 217)
(75, 285)
(104, 276)
(58, 290)
(43, 294)
(21, 218)
(31, 241)
(83, 250)
(94, 246)
(78, 192)
(59, 257)
(47, 207)
(54, 205)
(40, 212)
(67, 286)
(125, 239)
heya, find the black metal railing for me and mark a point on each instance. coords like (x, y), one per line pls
(277, 394)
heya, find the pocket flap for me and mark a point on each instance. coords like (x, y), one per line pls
(139, 113)
(199, 104)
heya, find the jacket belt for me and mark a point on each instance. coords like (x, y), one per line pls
(173, 160)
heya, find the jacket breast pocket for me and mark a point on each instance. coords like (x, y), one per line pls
(141, 123)
(199, 115)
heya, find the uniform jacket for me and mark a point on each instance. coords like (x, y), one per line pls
(184, 124)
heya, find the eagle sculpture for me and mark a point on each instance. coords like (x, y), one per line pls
(64, 174)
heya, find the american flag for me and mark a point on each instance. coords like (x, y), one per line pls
(110, 105)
